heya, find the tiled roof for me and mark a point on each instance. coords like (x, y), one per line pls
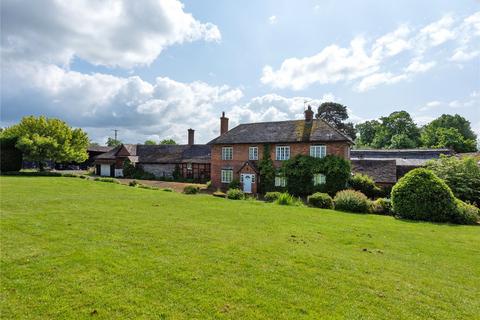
(160, 153)
(93, 148)
(381, 171)
(400, 153)
(316, 130)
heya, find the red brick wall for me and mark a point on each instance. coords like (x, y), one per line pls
(240, 155)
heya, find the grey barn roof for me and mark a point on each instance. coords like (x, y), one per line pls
(380, 170)
(399, 153)
(94, 148)
(316, 130)
(161, 153)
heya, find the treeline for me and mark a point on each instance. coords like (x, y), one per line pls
(399, 131)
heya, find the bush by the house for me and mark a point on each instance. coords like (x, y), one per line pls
(286, 199)
(364, 184)
(461, 175)
(320, 200)
(421, 195)
(271, 196)
(135, 172)
(109, 180)
(167, 189)
(234, 184)
(351, 201)
(466, 213)
(190, 189)
(133, 183)
(300, 170)
(235, 194)
(219, 194)
(381, 206)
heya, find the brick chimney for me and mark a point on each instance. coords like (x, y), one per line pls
(309, 114)
(223, 123)
(191, 137)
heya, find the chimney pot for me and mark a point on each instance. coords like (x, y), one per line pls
(223, 123)
(191, 137)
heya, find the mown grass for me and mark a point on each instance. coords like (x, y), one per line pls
(80, 249)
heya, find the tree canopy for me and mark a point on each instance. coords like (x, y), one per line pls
(449, 131)
(336, 114)
(168, 141)
(150, 142)
(396, 131)
(41, 139)
(111, 142)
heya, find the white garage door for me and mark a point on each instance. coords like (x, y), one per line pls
(105, 170)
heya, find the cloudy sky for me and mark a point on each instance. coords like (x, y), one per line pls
(154, 68)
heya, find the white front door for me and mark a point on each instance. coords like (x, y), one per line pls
(247, 182)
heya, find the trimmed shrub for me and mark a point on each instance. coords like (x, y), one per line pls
(219, 194)
(466, 213)
(381, 206)
(133, 183)
(69, 175)
(364, 184)
(234, 184)
(32, 173)
(351, 201)
(109, 180)
(190, 189)
(421, 195)
(271, 196)
(320, 200)
(167, 189)
(235, 194)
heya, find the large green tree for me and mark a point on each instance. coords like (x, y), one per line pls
(396, 131)
(336, 114)
(449, 131)
(41, 139)
(150, 142)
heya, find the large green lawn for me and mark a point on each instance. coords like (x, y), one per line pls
(73, 249)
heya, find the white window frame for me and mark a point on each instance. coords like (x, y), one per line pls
(282, 153)
(226, 175)
(318, 151)
(227, 153)
(280, 181)
(319, 179)
(253, 153)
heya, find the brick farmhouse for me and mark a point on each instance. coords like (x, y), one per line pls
(235, 153)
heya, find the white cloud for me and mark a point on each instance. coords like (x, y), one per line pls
(461, 56)
(112, 33)
(364, 61)
(272, 19)
(165, 107)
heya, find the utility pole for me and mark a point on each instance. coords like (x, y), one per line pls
(115, 130)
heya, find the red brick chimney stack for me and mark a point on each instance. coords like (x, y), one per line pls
(191, 137)
(309, 114)
(223, 123)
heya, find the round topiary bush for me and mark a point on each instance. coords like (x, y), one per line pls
(421, 195)
(272, 196)
(235, 194)
(320, 200)
(190, 189)
(351, 201)
(364, 184)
